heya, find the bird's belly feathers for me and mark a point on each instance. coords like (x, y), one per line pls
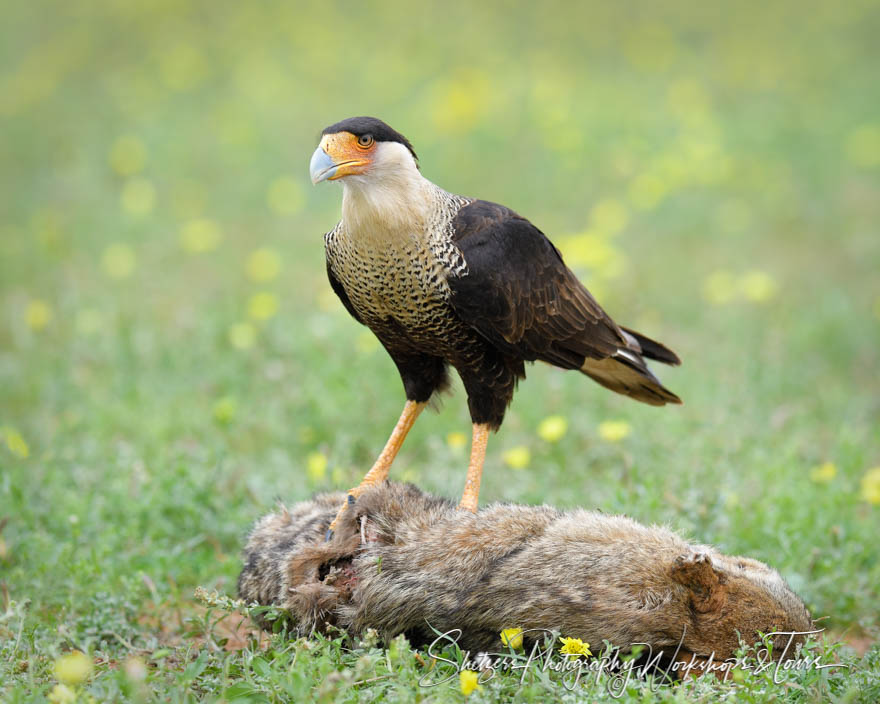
(403, 284)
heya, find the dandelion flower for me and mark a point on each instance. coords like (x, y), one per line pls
(871, 486)
(263, 305)
(62, 694)
(316, 466)
(468, 680)
(200, 235)
(73, 668)
(553, 428)
(38, 314)
(824, 473)
(263, 264)
(574, 646)
(285, 196)
(15, 442)
(118, 261)
(512, 637)
(224, 410)
(517, 457)
(456, 440)
(614, 430)
(128, 155)
(242, 336)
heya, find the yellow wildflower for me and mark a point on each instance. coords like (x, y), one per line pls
(15, 442)
(574, 646)
(118, 261)
(38, 314)
(469, 681)
(224, 410)
(73, 668)
(719, 287)
(242, 336)
(263, 264)
(823, 473)
(614, 430)
(871, 486)
(316, 466)
(512, 637)
(553, 428)
(127, 156)
(517, 457)
(285, 196)
(200, 235)
(263, 305)
(758, 286)
(138, 196)
(456, 440)
(62, 694)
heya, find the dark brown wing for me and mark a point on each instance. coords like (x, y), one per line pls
(520, 295)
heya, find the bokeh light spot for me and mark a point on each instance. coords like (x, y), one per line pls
(200, 235)
(118, 261)
(38, 314)
(720, 287)
(863, 145)
(553, 428)
(242, 336)
(263, 264)
(517, 457)
(128, 155)
(262, 305)
(138, 196)
(758, 286)
(614, 430)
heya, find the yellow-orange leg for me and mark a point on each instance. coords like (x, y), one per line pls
(379, 471)
(471, 495)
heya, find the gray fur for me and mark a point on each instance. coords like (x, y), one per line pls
(416, 562)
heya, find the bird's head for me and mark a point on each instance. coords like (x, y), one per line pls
(362, 149)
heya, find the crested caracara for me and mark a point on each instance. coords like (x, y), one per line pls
(443, 280)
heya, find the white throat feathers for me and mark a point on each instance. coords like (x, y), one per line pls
(392, 200)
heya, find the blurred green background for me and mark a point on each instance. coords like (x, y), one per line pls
(172, 358)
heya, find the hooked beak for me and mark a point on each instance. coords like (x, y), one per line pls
(338, 155)
(322, 167)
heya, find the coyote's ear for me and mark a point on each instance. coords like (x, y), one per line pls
(707, 585)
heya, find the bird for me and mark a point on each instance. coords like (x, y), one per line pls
(444, 280)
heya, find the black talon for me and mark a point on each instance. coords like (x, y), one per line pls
(328, 536)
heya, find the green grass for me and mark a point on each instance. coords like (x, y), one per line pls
(672, 152)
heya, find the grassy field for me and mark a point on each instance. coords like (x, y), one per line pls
(172, 359)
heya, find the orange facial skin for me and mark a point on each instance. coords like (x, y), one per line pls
(351, 154)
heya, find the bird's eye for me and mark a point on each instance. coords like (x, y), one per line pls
(365, 141)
